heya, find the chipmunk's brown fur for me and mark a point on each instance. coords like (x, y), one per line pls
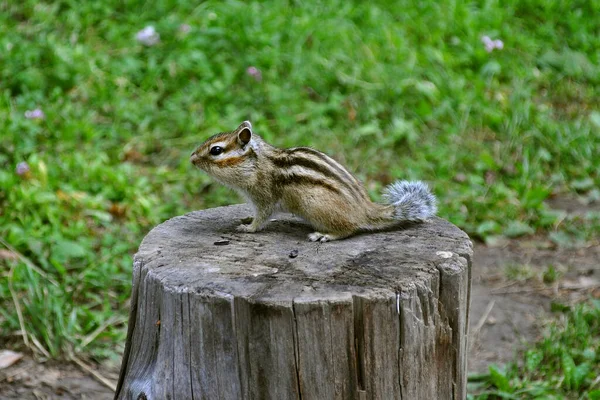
(305, 182)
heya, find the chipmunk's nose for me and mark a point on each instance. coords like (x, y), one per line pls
(194, 157)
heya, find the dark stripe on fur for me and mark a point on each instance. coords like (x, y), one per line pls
(325, 158)
(342, 174)
(288, 162)
(295, 179)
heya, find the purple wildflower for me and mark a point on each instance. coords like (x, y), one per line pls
(22, 168)
(35, 114)
(148, 36)
(255, 73)
(490, 44)
(185, 28)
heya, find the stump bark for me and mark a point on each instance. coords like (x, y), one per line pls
(217, 314)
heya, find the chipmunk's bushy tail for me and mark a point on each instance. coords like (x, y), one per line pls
(412, 201)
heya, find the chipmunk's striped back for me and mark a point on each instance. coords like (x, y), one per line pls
(306, 182)
(309, 166)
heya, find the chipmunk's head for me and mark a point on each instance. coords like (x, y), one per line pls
(227, 155)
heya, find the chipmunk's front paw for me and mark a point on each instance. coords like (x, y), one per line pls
(246, 228)
(319, 237)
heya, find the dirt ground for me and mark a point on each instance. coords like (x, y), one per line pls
(507, 313)
(507, 310)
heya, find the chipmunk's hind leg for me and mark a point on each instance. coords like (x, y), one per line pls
(328, 212)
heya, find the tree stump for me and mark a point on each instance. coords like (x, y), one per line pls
(217, 314)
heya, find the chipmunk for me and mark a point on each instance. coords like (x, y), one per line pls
(307, 183)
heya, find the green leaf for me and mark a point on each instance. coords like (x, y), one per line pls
(595, 118)
(594, 395)
(505, 395)
(568, 366)
(549, 217)
(426, 88)
(59, 266)
(65, 249)
(561, 238)
(371, 129)
(488, 160)
(518, 228)
(583, 185)
(535, 196)
(544, 155)
(533, 358)
(580, 373)
(499, 379)
(550, 275)
(589, 354)
(559, 307)
(102, 216)
(487, 227)
(491, 68)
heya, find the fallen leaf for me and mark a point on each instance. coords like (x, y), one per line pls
(117, 210)
(583, 282)
(64, 196)
(133, 155)
(8, 255)
(8, 358)
(351, 113)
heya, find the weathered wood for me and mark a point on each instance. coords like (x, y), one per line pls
(376, 316)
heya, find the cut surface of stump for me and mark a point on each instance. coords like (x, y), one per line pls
(217, 314)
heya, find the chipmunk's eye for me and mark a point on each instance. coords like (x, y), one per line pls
(216, 150)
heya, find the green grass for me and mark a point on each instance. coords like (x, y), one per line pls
(565, 364)
(394, 90)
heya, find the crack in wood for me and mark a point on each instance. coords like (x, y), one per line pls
(296, 352)
(359, 341)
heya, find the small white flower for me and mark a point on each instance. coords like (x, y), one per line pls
(499, 44)
(148, 36)
(35, 114)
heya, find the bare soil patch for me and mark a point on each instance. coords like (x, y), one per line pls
(29, 379)
(519, 308)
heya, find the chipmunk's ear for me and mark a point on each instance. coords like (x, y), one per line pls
(244, 133)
